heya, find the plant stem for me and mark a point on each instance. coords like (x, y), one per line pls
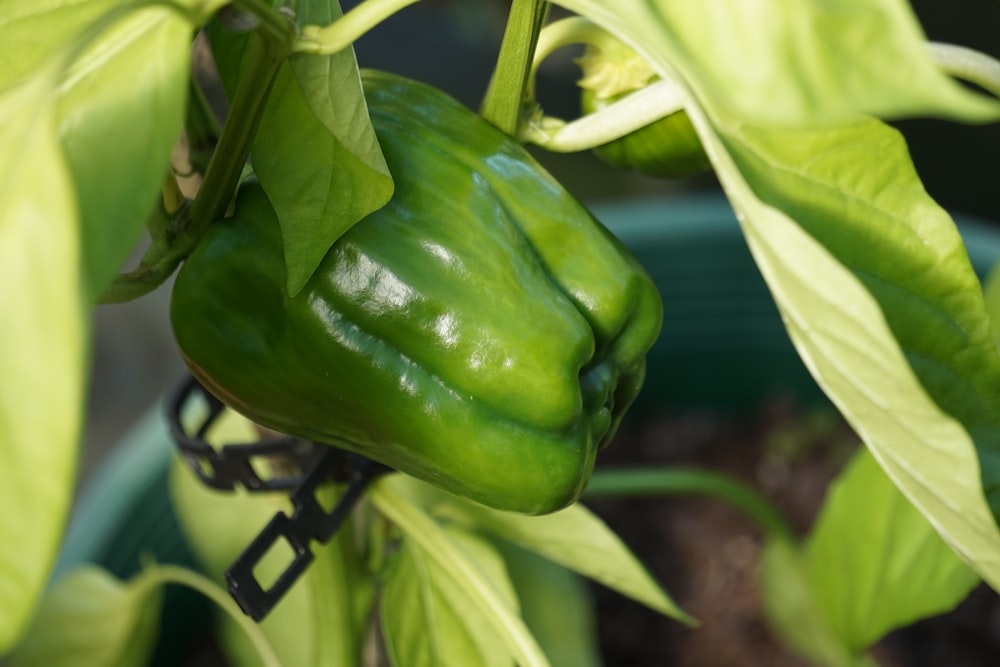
(271, 24)
(965, 63)
(565, 32)
(628, 114)
(506, 93)
(201, 128)
(628, 482)
(263, 59)
(172, 574)
(349, 28)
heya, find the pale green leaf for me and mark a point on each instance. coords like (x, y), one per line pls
(389, 497)
(573, 537)
(789, 605)
(315, 153)
(121, 109)
(427, 617)
(880, 300)
(123, 69)
(321, 619)
(90, 619)
(556, 606)
(791, 62)
(42, 343)
(32, 31)
(873, 561)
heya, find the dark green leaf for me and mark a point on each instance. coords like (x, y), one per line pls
(315, 153)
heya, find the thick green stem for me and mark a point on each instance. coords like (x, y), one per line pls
(349, 28)
(627, 482)
(505, 96)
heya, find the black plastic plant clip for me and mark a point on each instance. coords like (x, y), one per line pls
(232, 464)
(308, 522)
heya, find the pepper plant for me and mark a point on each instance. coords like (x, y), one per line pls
(786, 103)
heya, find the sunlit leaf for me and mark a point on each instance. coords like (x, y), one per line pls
(121, 109)
(789, 62)
(42, 344)
(555, 604)
(427, 617)
(873, 561)
(90, 619)
(123, 69)
(573, 537)
(390, 497)
(32, 31)
(789, 604)
(881, 302)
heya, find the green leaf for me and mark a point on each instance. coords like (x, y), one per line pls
(789, 62)
(315, 154)
(389, 497)
(33, 31)
(991, 295)
(873, 561)
(789, 605)
(556, 606)
(428, 618)
(573, 537)
(121, 110)
(123, 70)
(321, 620)
(881, 302)
(90, 619)
(42, 357)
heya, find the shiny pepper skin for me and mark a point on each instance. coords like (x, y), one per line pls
(481, 332)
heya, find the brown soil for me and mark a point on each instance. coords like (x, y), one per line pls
(705, 552)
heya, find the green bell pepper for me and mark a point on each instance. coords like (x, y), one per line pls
(481, 332)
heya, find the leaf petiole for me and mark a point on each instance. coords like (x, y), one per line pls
(159, 575)
(627, 115)
(329, 39)
(627, 482)
(968, 64)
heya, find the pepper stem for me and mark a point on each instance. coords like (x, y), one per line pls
(505, 95)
